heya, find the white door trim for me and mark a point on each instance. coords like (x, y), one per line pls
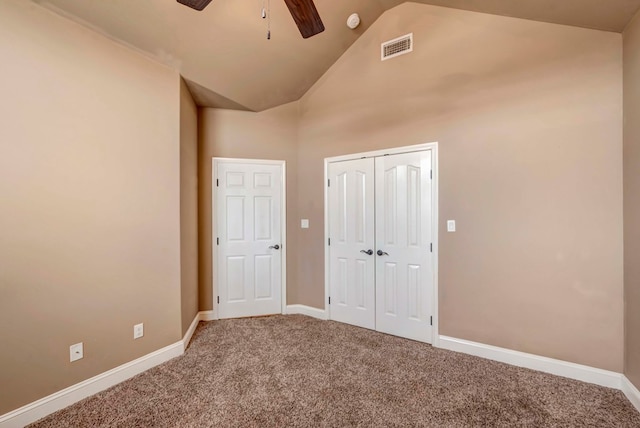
(214, 226)
(435, 339)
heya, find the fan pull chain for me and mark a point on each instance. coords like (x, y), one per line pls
(266, 13)
(268, 19)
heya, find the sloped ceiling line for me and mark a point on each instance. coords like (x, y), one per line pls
(224, 56)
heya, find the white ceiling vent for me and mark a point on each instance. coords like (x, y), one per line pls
(395, 47)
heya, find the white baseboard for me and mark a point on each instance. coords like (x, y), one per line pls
(631, 392)
(207, 316)
(307, 310)
(189, 334)
(200, 316)
(68, 396)
(535, 362)
(39, 409)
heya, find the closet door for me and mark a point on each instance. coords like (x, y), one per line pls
(404, 272)
(351, 251)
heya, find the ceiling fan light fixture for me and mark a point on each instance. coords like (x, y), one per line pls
(303, 12)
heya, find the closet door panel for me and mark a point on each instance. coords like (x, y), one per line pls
(404, 272)
(351, 231)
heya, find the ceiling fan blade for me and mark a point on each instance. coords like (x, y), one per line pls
(195, 4)
(306, 16)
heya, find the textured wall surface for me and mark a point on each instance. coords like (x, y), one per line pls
(188, 206)
(528, 119)
(90, 197)
(632, 200)
(271, 134)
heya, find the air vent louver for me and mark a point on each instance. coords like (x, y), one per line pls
(395, 47)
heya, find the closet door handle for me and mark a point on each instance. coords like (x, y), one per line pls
(367, 252)
(382, 253)
(275, 247)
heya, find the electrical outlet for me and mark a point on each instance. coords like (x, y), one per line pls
(138, 331)
(451, 225)
(76, 352)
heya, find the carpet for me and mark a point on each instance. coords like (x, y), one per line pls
(296, 371)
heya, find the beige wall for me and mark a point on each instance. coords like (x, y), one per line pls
(90, 203)
(632, 199)
(271, 134)
(528, 119)
(188, 206)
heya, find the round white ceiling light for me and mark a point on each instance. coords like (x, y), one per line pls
(353, 21)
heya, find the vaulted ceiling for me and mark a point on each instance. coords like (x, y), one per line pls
(225, 57)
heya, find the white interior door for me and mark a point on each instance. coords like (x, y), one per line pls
(249, 238)
(351, 250)
(404, 268)
(383, 204)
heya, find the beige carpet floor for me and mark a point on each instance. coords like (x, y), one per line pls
(295, 371)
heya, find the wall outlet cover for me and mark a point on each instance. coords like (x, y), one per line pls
(304, 223)
(138, 331)
(76, 352)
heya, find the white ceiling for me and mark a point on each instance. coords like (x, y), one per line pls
(227, 61)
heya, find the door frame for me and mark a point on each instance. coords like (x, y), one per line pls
(214, 227)
(433, 146)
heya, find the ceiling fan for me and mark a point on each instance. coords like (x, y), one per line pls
(304, 13)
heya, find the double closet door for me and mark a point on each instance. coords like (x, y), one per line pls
(380, 251)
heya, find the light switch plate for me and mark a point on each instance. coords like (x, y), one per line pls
(304, 223)
(451, 225)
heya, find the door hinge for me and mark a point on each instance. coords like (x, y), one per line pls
(431, 174)
(329, 299)
(329, 241)
(431, 320)
(431, 247)
(217, 183)
(328, 183)
(218, 241)
(218, 299)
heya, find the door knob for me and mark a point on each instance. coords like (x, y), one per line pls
(367, 252)
(275, 247)
(382, 253)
